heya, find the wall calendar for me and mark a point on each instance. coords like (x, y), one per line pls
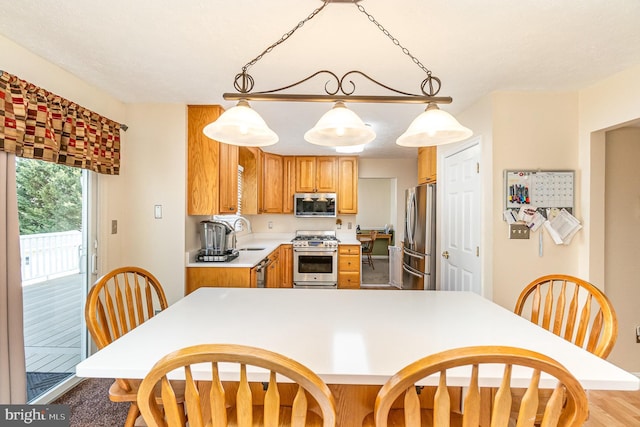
(544, 190)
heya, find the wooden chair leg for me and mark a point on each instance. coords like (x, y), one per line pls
(132, 415)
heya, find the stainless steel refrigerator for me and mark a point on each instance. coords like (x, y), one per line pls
(419, 266)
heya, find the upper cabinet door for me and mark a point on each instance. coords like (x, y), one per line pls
(326, 174)
(305, 174)
(316, 174)
(288, 183)
(203, 179)
(348, 185)
(272, 183)
(228, 179)
(427, 169)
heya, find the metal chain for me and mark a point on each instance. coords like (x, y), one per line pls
(285, 36)
(394, 40)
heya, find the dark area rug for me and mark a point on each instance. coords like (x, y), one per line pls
(91, 407)
(40, 382)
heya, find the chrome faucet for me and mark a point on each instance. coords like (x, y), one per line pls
(246, 221)
(234, 239)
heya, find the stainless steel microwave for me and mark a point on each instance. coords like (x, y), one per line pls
(314, 205)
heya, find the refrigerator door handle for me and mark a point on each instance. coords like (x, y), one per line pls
(410, 220)
(414, 254)
(405, 268)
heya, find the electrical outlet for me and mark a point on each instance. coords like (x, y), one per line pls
(270, 225)
(114, 226)
(518, 231)
(348, 226)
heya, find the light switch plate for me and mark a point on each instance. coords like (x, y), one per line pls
(518, 231)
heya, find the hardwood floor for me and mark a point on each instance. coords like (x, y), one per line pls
(614, 409)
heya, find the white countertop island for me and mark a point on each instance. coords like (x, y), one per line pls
(347, 337)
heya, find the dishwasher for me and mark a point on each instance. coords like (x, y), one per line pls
(261, 272)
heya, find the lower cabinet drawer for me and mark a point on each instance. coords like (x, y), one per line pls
(348, 263)
(349, 280)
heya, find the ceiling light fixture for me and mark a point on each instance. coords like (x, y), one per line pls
(339, 127)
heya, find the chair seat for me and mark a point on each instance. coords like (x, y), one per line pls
(396, 419)
(313, 419)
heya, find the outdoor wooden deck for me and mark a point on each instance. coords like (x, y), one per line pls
(53, 320)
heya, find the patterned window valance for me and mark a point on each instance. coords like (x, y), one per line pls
(38, 124)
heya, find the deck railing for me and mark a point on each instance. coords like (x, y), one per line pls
(50, 255)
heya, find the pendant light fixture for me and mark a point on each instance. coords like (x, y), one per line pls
(339, 127)
(241, 125)
(434, 125)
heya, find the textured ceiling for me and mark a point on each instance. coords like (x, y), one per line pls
(189, 51)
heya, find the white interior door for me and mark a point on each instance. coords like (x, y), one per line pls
(460, 221)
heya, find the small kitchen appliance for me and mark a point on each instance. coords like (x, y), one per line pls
(315, 259)
(314, 205)
(215, 240)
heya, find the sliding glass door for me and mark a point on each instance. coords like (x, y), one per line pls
(56, 243)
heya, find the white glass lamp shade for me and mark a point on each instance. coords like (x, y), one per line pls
(433, 127)
(241, 125)
(340, 127)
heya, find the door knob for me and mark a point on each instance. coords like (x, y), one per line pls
(445, 255)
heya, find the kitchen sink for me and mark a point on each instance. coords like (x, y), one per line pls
(251, 249)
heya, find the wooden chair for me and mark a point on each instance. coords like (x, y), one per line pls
(367, 248)
(568, 405)
(219, 407)
(573, 309)
(118, 302)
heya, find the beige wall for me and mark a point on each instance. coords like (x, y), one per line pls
(154, 170)
(530, 131)
(622, 239)
(376, 200)
(405, 172)
(611, 103)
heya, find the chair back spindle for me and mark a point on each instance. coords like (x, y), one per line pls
(567, 406)
(248, 407)
(572, 309)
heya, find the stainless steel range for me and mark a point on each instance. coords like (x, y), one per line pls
(315, 259)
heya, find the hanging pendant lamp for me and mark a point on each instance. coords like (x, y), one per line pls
(433, 127)
(340, 127)
(241, 125)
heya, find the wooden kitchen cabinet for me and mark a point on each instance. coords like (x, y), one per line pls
(349, 266)
(286, 264)
(316, 174)
(288, 183)
(222, 277)
(212, 167)
(347, 194)
(228, 179)
(274, 277)
(427, 165)
(272, 183)
(250, 158)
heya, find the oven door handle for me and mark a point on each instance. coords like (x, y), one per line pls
(305, 251)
